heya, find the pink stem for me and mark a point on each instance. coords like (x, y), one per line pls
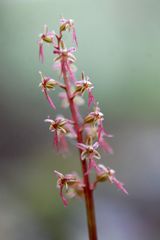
(88, 191)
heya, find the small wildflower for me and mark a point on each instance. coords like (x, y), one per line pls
(61, 127)
(105, 173)
(47, 84)
(71, 184)
(94, 117)
(47, 37)
(68, 24)
(85, 85)
(89, 151)
(66, 58)
(65, 54)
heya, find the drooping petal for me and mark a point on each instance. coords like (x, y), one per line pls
(101, 134)
(49, 99)
(64, 200)
(41, 52)
(105, 146)
(91, 98)
(92, 164)
(119, 185)
(74, 36)
(63, 146)
(55, 140)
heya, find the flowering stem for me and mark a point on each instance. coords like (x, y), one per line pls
(88, 192)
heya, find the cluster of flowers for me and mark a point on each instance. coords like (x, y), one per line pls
(87, 131)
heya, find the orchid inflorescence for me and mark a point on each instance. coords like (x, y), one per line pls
(87, 132)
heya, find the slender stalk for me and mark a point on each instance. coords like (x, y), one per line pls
(88, 192)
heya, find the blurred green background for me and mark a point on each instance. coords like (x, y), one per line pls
(119, 48)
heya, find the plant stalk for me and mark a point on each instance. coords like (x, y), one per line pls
(88, 192)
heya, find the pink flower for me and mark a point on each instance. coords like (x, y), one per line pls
(94, 117)
(65, 54)
(66, 59)
(47, 37)
(85, 85)
(61, 127)
(68, 24)
(71, 184)
(105, 173)
(89, 152)
(47, 84)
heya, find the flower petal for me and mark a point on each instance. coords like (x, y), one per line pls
(49, 99)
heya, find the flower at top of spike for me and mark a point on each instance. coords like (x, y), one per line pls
(71, 184)
(68, 25)
(105, 173)
(47, 37)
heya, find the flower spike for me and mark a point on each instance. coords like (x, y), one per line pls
(86, 133)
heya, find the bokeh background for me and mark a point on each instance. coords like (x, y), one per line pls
(119, 48)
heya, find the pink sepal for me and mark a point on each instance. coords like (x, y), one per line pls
(91, 98)
(118, 184)
(64, 200)
(49, 99)
(41, 52)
